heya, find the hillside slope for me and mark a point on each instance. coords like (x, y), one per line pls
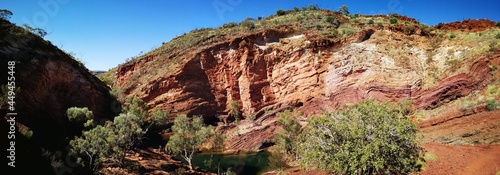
(318, 60)
(303, 59)
(48, 81)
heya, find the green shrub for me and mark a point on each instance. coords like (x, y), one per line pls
(188, 135)
(344, 10)
(251, 117)
(287, 140)
(137, 107)
(355, 20)
(159, 117)
(491, 104)
(498, 24)
(330, 19)
(79, 115)
(497, 36)
(234, 110)
(440, 25)
(370, 21)
(249, 24)
(347, 32)
(452, 35)
(26, 132)
(109, 141)
(393, 20)
(313, 6)
(365, 138)
(229, 25)
(105, 79)
(380, 24)
(280, 12)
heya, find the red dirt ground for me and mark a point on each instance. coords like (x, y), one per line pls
(463, 159)
(467, 158)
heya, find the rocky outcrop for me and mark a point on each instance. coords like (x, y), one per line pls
(48, 82)
(468, 25)
(266, 71)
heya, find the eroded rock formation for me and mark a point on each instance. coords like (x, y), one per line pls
(266, 71)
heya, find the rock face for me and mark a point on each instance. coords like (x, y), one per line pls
(49, 81)
(266, 71)
(468, 25)
(299, 71)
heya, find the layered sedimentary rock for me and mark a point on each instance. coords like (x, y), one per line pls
(272, 70)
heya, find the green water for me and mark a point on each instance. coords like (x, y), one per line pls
(242, 163)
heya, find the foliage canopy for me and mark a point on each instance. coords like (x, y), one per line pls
(365, 138)
(188, 135)
(5, 14)
(79, 115)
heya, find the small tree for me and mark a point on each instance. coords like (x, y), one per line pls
(94, 145)
(5, 14)
(452, 35)
(248, 24)
(188, 136)
(109, 141)
(229, 25)
(280, 12)
(330, 19)
(37, 31)
(366, 138)
(234, 110)
(370, 21)
(79, 115)
(393, 20)
(159, 117)
(128, 131)
(251, 117)
(137, 107)
(218, 142)
(491, 104)
(287, 140)
(344, 10)
(313, 6)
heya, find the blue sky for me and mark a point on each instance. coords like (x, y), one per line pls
(105, 33)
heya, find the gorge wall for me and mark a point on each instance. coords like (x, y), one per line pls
(273, 70)
(48, 82)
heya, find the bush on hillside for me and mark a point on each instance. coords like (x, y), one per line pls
(344, 10)
(229, 25)
(280, 12)
(393, 20)
(79, 115)
(330, 19)
(370, 21)
(365, 138)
